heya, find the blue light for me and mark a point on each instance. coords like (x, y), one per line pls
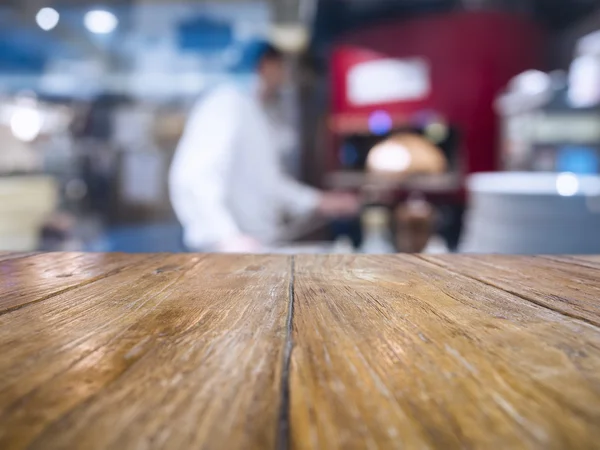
(380, 123)
(578, 160)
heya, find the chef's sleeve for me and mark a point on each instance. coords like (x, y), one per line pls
(201, 170)
(300, 200)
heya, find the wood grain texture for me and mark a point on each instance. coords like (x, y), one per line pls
(275, 352)
(570, 289)
(34, 278)
(4, 256)
(592, 262)
(591, 258)
(396, 352)
(172, 352)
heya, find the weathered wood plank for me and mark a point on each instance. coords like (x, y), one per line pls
(175, 352)
(593, 259)
(591, 262)
(35, 278)
(395, 352)
(187, 351)
(96, 311)
(4, 256)
(573, 290)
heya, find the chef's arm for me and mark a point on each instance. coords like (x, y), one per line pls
(302, 200)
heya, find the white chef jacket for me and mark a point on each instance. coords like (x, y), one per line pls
(226, 178)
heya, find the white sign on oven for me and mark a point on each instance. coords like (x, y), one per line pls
(388, 80)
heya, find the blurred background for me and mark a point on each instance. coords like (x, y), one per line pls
(461, 125)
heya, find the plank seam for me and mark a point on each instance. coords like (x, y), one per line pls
(570, 261)
(283, 423)
(516, 294)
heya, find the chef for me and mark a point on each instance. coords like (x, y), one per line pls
(227, 183)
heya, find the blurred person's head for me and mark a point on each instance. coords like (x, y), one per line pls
(270, 67)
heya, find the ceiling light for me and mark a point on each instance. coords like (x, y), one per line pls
(101, 22)
(291, 37)
(26, 123)
(47, 18)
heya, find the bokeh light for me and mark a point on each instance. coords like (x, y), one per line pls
(380, 123)
(47, 18)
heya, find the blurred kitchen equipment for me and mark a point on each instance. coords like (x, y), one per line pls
(519, 107)
(551, 121)
(414, 224)
(25, 203)
(406, 153)
(533, 213)
(343, 246)
(377, 236)
(584, 73)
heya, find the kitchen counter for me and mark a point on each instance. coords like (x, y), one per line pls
(102, 351)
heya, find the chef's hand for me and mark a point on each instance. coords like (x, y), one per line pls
(338, 204)
(240, 244)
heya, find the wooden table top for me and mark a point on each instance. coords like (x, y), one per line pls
(113, 351)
